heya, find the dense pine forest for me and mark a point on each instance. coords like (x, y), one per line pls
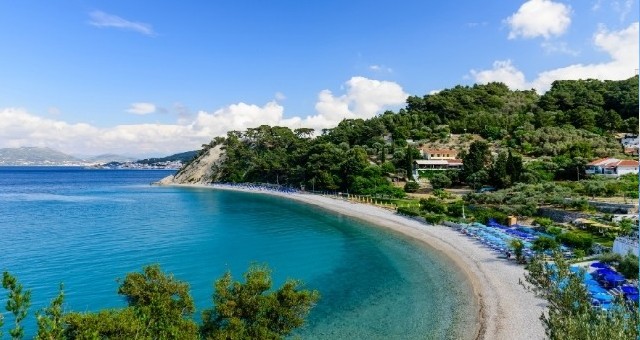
(555, 134)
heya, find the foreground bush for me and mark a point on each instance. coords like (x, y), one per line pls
(161, 307)
(569, 315)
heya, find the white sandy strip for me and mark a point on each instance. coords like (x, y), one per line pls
(506, 310)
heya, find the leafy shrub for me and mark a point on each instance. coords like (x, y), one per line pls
(629, 266)
(440, 180)
(408, 211)
(576, 240)
(455, 209)
(432, 205)
(554, 230)
(434, 218)
(441, 194)
(543, 222)
(411, 186)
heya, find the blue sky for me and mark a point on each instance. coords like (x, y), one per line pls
(152, 78)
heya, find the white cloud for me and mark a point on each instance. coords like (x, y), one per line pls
(621, 46)
(279, 96)
(558, 47)
(54, 111)
(142, 108)
(539, 18)
(102, 19)
(363, 98)
(380, 68)
(622, 7)
(502, 71)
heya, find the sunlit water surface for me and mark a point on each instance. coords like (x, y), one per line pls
(87, 228)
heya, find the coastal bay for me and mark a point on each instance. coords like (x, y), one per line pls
(88, 227)
(504, 309)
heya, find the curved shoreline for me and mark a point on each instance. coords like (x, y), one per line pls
(504, 309)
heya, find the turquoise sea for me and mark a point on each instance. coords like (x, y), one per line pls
(87, 228)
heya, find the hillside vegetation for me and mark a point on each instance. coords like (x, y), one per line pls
(556, 134)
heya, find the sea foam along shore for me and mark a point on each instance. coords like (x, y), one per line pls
(505, 309)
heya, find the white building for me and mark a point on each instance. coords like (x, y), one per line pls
(625, 245)
(437, 164)
(629, 141)
(612, 167)
(428, 153)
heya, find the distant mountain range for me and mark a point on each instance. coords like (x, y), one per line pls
(26, 156)
(36, 156)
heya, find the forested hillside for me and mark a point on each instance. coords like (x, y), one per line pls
(556, 133)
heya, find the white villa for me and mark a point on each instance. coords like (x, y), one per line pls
(437, 159)
(612, 167)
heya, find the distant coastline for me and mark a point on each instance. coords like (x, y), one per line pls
(504, 309)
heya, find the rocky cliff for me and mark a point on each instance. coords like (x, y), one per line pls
(199, 171)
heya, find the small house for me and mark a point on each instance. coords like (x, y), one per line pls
(612, 167)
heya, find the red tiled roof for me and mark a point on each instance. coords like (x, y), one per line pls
(601, 161)
(628, 162)
(613, 162)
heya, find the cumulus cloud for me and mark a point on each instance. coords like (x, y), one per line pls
(363, 98)
(142, 108)
(105, 20)
(503, 71)
(621, 46)
(539, 18)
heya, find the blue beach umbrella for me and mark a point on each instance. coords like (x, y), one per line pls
(605, 271)
(630, 290)
(603, 297)
(595, 289)
(633, 297)
(599, 265)
(614, 278)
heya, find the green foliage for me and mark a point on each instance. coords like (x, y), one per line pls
(51, 319)
(411, 186)
(554, 230)
(161, 307)
(569, 315)
(162, 303)
(432, 205)
(565, 128)
(442, 194)
(478, 158)
(628, 266)
(542, 244)
(18, 303)
(409, 211)
(576, 240)
(517, 245)
(433, 218)
(543, 222)
(107, 324)
(440, 180)
(248, 311)
(454, 209)
(483, 215)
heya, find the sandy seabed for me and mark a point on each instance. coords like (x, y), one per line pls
(505, 310)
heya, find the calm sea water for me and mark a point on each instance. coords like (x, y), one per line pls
(87, 228)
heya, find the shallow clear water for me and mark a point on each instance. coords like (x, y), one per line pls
(87, 228)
